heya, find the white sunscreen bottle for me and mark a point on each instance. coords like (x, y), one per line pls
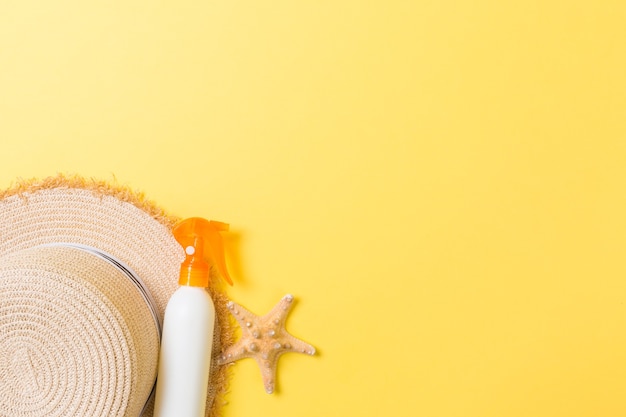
(186, 344)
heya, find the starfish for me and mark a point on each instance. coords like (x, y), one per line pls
(264, 339)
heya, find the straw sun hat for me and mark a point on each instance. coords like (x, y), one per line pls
(86, 270)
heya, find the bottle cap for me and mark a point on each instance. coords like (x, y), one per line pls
(203, 246)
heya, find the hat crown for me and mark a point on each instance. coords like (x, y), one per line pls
(76, 339)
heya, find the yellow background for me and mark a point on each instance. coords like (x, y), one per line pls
(441, 184)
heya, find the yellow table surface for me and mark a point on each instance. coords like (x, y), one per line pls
(441, 184)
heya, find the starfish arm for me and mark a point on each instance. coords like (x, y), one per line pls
(279, 313)
(241, 314)
(293, 344)
(268, 372)
(234, 353)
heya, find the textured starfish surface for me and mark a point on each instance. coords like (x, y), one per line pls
(264, 339)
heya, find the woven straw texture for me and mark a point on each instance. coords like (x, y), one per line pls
(76, 337)
(116, 221)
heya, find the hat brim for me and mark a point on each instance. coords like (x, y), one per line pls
(76, 212)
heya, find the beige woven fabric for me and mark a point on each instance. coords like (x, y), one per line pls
(72, 215)
(76, 337)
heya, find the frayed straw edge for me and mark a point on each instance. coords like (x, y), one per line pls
(24, 187)
(100, 188)
(227, 338)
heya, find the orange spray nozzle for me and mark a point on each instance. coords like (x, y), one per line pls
(203, 245)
